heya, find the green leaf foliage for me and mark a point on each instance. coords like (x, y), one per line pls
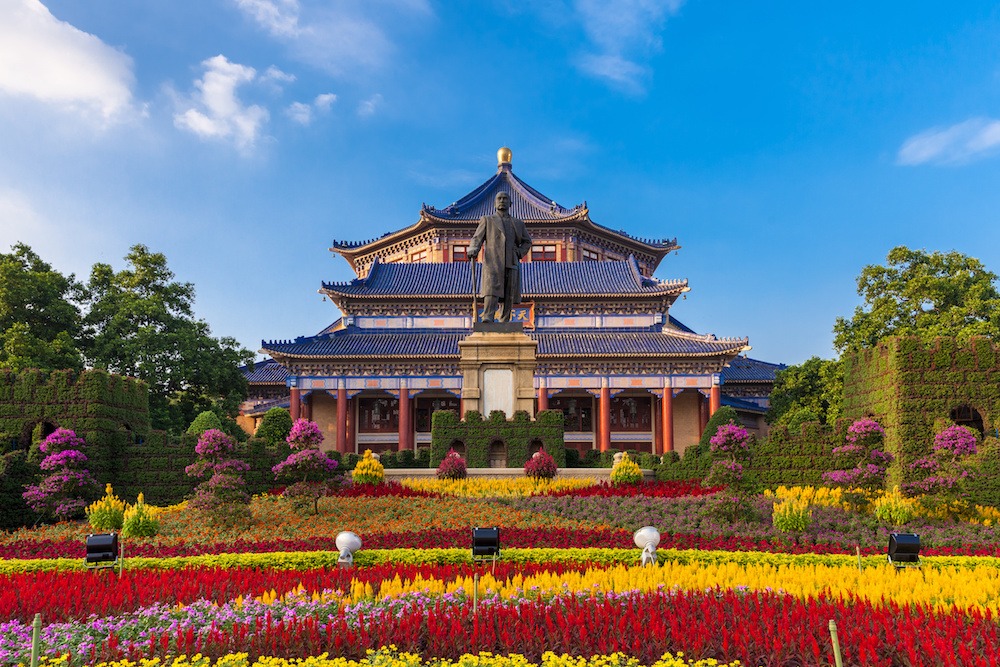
(203, 422)
(275, 426)
(814, 387)
(140, 323)
(38, 321)
(925, 295)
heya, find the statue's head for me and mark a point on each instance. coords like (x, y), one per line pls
(502, 201)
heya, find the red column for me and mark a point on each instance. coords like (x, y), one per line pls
(307, 406)
(543, 395)
(605, 418)
(295, 405)
(342, 419)
(461, 408)
(352, 418)
(667, 404)
(715, 400)
(405, 429)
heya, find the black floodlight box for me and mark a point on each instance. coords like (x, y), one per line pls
(102, 550)
(486, 542)
(904, 548)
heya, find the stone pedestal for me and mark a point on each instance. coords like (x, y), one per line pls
(498, 372)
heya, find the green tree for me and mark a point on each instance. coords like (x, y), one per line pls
(275, 426)
(815, 387)
(140, 322)
(922, 294)
(38, 319)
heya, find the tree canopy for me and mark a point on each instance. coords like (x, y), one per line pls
(38, 319)
(922, 294)
(812, 390)
(140, 322)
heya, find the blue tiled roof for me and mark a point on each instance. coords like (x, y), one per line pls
(352, 342)
(538, 279)
(267, 371)
(744, 369)
(742, 406)
(262, 407)
(526, 202)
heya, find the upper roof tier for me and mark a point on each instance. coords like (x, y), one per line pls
(527, 203)
(616, 279)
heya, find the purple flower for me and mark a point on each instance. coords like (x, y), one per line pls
(305, 434)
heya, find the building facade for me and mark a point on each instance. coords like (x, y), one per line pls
(625, 373)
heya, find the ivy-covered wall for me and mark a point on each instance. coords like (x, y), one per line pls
(111, 414)
(906, 384)
(796, 458)
(476, 434)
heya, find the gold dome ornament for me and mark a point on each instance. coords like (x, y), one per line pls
(503, 156)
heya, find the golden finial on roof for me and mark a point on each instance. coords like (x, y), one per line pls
(503, 156)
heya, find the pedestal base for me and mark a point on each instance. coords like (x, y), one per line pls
(498, 369)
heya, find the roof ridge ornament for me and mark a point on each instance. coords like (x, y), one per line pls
(504, 156)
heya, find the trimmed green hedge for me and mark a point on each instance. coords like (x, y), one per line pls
(476, 433)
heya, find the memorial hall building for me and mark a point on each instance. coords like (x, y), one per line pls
(625, 373)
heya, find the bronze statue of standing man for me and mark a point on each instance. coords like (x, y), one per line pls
(507, 241)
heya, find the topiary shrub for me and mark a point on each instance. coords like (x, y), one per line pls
(61, 495)
(861, 461)
(203, 422)
(368, 470)
(452, 466)
(275, 426)
(731, 448)
(941, 479)
(222, 493)
(307, 467)
(541, 465)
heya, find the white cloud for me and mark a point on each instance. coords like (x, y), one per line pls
(19, 221)
(217, 112)
(279, 17)
(961, 143)
(300, 113)
(623, 33)
(370, 106)
(337, 37)
(303, 113)
(325, 101)
(276, 75)
(47, 59)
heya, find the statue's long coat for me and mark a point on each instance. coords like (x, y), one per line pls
(507, 241)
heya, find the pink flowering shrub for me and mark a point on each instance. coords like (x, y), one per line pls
(452, 466)
(940, 478)
(222, 493)
(308, 469)
(61, 495)
(731, 449)
(862, 462)
(541, 465)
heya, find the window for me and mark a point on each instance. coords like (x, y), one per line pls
(378, 415)
(460, 253)
(631, 413)
(589, 255)
(578, 412)
(543, 253)
(419, 256)
(426, 407)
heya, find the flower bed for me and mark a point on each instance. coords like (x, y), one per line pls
(586, 613)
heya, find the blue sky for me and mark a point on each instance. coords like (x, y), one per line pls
(785, 144)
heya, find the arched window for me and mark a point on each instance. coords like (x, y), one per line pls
(966, 415)
(459, 447)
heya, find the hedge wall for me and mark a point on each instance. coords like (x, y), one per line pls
(907, 384)
(476, 433)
